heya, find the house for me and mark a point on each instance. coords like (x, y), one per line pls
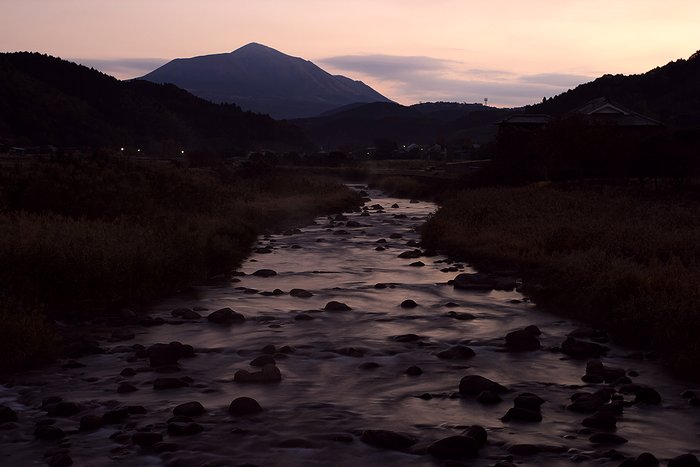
(603, 111)
(600, 111)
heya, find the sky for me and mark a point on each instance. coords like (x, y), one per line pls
(513, 52)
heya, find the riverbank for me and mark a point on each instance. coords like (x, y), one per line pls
(629, 263)
(90, 235)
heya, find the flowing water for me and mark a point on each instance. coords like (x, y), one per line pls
(329, 393)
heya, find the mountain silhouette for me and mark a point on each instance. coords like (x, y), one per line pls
(264, 80)
(358, 126)
(46, 100)
(670, 93)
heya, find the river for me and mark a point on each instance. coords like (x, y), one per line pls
(343, 372)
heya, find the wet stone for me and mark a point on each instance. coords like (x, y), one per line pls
(454, 447)
(685, 460)
(528, 401)
(524, 449)
(262, 361)
(369, 366)
(184, 429)
(146, 439)
(387, 439)
(478, 433)
(115, 416)
(458, 352)
(225, 316)
(523, 340)
(59, 460)
(413, 371)
(607, 438)
(582, 349)
(7, 414)
(408, 304)
(269, 374)
(296, 443)
(601, 420)
(586, 403)
(265, 273)
(189, 409)
(336, 306)
(460, 316)
(90, 422)
(63, 409)
(128, 372)
(474, 281)
(168, 383)
(488, 398)
(72, 364)
(125, 388)
(48, 433)
(522, 415)
(474, 384)
(244, 406)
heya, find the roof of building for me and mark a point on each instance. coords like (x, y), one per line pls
(603, 110)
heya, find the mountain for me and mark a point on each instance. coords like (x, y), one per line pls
(670, 93)
(358, 126)
(264, 80)
(46, 100)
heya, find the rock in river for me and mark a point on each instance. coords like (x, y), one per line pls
(473, 385)
(474, 281)
(225, 316)
(269, 374)
(454, 447)
(523, 340)
(189, 409)
(582, 349)
(458, 352)
(336, 306)
(265, 273)
(244, 406)
(387, 439)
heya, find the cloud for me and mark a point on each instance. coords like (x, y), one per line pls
(388, 66)
(411, 79)
(123, 68)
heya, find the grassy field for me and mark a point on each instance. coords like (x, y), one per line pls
(88, 235)
(629, 262)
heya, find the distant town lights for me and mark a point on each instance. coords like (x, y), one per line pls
(122, 149)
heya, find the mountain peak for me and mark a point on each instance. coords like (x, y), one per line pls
(259, 78)
(255, 47)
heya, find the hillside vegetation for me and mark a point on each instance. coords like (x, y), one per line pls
(48, 101)
(625, 261)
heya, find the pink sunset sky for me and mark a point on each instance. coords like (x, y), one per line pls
(513, 52)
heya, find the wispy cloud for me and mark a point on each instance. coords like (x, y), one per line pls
(420, 78)
(123, 68)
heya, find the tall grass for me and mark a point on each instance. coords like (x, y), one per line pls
(87, 235)
(627, 262)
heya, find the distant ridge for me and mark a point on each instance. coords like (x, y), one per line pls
(264, 80)
(670, 93)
